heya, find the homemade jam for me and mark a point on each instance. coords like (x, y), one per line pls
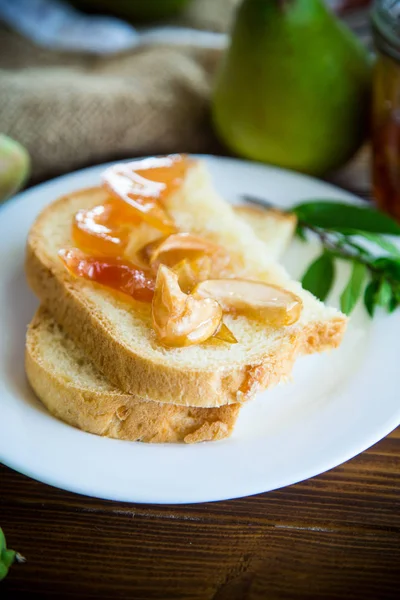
(386, 106)
(176, 271)
(104, 229)
(116, 273)
(143, 185)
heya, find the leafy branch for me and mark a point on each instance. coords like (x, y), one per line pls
(340, 227)
(343, 230)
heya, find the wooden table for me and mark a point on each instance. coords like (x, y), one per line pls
(335, 536)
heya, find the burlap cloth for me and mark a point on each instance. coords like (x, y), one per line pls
(72, 110)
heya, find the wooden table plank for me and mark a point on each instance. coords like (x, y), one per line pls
(90, 555)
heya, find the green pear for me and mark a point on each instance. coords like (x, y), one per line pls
(293, 87)
(14, 166)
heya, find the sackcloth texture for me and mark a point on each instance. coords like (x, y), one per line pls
(72, 110)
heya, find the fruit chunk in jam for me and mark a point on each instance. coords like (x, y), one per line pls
(181, 319)
(145, 184)
(270, 304)
(116, 273)
(192, 272)
(172, 249)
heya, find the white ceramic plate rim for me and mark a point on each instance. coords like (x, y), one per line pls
(35, 444)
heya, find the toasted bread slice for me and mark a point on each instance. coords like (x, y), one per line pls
(121, 341)
(73, 390)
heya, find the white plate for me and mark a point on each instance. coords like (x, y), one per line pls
(338, 404)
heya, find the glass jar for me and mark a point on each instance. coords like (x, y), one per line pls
(386, 106)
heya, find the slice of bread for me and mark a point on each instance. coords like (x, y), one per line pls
(73, 390)
(121, 341)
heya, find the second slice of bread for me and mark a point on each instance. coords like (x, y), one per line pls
(75, 391)
(121, 341)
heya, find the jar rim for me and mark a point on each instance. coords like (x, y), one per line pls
(385, 20)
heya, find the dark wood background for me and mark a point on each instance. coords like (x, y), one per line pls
(335, 536)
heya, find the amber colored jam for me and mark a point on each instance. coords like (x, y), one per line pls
(104, 229)
(116, 273)
(143, 185)
(386, 134)
(101, 234)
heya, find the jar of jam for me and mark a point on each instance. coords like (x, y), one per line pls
(386, 106)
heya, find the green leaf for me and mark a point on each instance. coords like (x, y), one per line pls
(3, 571)
(353, 289)
(319, 276)
(394, 302)
(341, 216)
(381, 293)
(3, 544)
(384, 294)
(8, 557)
(388, 266)
(370, 296)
